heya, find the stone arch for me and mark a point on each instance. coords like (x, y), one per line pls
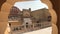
(1, 3)
(5, 8)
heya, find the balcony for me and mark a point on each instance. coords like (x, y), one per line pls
(13, 21)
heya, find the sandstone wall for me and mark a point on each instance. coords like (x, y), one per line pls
(5, 11)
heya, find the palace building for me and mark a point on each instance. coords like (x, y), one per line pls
(27, 20)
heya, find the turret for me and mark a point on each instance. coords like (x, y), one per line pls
(26, 12)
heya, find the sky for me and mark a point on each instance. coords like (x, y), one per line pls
(34, 5)
(36, 0)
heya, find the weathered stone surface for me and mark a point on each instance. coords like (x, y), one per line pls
(5, 11)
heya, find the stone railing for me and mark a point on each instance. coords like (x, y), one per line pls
(28, 28)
